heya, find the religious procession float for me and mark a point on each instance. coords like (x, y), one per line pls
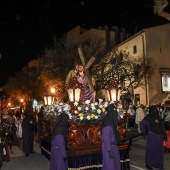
(84, 137)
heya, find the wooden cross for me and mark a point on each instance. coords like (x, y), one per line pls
(86, 66)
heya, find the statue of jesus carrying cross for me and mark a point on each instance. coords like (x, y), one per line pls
(83, 76)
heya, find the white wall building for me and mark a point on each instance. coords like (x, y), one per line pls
(152, 43)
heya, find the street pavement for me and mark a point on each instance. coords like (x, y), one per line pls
(37, 161)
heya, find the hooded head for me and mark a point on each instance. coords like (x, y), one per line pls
(111, 117)
(61, 124)
(156, 125)
(153, 110)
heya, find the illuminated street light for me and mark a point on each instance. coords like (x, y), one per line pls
(21, 100)
(52, 90)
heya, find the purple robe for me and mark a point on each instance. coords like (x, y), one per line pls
(28, 133)
(109, 143)
(154, 148)
(87, 94)
(58, 153)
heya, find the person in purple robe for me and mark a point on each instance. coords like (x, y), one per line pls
(152, 126)
(58, 158)
(28, 127)
(110, 139)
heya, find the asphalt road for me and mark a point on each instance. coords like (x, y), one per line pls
(37, 161)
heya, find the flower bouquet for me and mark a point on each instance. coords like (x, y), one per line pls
(51, 112)
(89, 113)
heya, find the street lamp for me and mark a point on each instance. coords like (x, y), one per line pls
(53, 90)
(22, 105)
(21, 100)
(113, 90)
(9, 104)
(74, 89)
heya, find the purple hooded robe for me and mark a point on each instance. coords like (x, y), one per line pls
(110, 140)
(152, 126)
(59, 158)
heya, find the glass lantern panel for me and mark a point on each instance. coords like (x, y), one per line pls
(70, 95)
(118, 94)
(108, 95)
(45, 100)
(77, 94)
(113, 94)
(50, 100)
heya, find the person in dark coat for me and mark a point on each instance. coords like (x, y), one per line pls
(28, 127)
(40, 119)
(152, 126)
(58, 158)
(110, 139)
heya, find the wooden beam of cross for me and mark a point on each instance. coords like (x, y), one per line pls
(86, 66)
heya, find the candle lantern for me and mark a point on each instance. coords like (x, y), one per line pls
(74, 89)
(113, 90)
(48, 100)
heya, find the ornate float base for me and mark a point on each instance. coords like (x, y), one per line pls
(82, 140)
(87, 157)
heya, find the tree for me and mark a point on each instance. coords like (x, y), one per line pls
(54, 65)
(128, 70)
(25, 85)
(57, 60)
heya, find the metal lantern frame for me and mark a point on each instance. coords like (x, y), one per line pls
(113, 90)
(48, 99)
(74, 90)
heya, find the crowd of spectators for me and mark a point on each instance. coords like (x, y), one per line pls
(18, 127)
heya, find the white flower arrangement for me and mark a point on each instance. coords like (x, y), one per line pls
(52, 111)
(84, 113)
(89, 112)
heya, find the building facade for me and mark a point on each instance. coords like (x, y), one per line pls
(100, 39)
(152, 43)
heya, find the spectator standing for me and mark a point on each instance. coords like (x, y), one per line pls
(9, 128)
(167, 128)
(140, 114)
(167, 117)
(153, 128)
(18, 123)
(131, 117)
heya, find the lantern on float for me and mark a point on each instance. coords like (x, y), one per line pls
(113, 90)
(48, 100)
(74, 89)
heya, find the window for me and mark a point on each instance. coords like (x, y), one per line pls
(165, 79)
(134, 49)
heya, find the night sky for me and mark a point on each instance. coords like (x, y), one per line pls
(27, 27)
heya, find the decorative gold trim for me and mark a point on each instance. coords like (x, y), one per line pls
(86, 167)
(126, 160)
